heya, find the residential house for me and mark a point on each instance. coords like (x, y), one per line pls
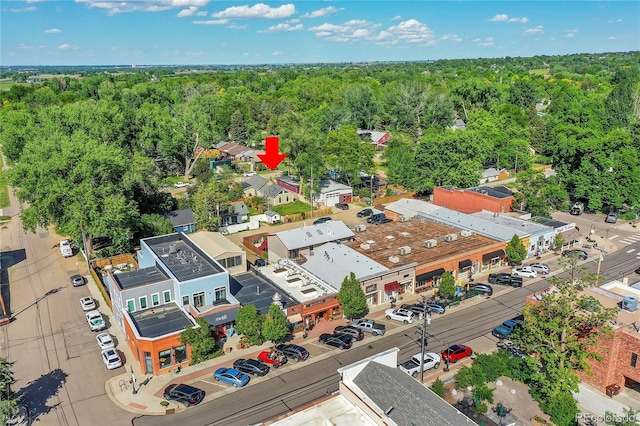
(472, 200)
(232, 257)
(182, 220)
(274, 194)
(240, 214)
(301, 241)
(492, 174)
(332, 193)
(378, 139)
(290, 183)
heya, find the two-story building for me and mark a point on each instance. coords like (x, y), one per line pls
(274, 194)
(301, 241)
(493, 198)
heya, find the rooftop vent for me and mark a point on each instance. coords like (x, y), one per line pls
(394, 259)
(630, 304)
(466, 233)
(431, 243)
(404, 250)
(450, 237)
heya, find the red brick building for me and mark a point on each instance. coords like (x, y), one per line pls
(471, 200)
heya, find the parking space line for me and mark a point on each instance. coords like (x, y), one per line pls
(211, 383)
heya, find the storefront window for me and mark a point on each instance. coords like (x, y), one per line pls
(165, 358)
(221, 293)
(198, 299)
(180, 354)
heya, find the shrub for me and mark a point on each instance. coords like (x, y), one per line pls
(521, 369)
(482, 408)
(438, 388)
(482, 392)
(562, 408)
(493, 365)
(470, 376)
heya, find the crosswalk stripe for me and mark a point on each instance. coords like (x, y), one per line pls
(631, 251)
(614, 237)
(626, 242)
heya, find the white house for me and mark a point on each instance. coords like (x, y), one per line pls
(332, 193)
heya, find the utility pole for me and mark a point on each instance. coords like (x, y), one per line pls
(311, 192)
(423, 339)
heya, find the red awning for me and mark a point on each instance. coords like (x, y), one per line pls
(391, 287)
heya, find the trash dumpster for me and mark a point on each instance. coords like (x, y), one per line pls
(613, 390)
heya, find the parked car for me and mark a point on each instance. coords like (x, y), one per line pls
(504, 330)
(376, 217)
(95, 320)
(368, 325)
(365, 213)
(105, 341)
(354, 332)
(342, 341)
(501, 278)
(322, 220)
(87, 303)
(111, 359)
(612, 217)
(65, 248)
(260, 262)
(637, 271)
(580, 254)
(541, 268)
(455, 353)
(412, 367)
(273, 358)
(381, 221)
(187, 394)
(231, 376)
(76, 280)
(417, 309)
(293, 351)
(180, 185)
(525, 271)
(402, 315)
(482, 289)
(436, 307)
(248, 174)
(577, 208)
(342, 206)
(516, 281)
(251, 366)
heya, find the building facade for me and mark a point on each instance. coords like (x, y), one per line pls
(495, 199)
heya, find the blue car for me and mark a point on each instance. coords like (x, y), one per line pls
(232, 376)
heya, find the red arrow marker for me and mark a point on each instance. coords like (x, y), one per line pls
(272, 157)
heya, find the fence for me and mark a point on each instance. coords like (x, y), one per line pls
(307, 215)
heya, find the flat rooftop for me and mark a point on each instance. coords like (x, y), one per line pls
(507, 221)
(160, 320)
(139, 277)
(184, 259)
(295, 281)
(336, 410)
(313, 235)
(381, 242)
(250, 288)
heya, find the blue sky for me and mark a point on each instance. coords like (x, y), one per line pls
(152, 32)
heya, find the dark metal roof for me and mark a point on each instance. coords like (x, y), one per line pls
(181, 217)
(251, 289)
(555, 224)
(493, 191)
(140, 277)
(418, 404)
(183, 258)
(160, 320)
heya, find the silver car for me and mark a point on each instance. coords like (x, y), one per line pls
(541, 268)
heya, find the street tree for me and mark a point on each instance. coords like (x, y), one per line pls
(347, 155)
(213, 200)
(249, 324)
(351, 297)
(516, 251)
(447, 286)
(558, 241)
(202, 342)
(8, 399)
(274, 326)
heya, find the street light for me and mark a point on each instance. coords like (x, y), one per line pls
(133, 381)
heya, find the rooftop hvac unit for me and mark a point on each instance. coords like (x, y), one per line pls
(431, 243)
(394, 259)
(365, 246)
(450, 237)
(630, 304)
(466, 233)
(404, 250)
(360, 228)
(404, 219)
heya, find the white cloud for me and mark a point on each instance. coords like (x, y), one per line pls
(276, 53)
(409, 32)
(280, 28)
(114, 7)
(451, 37)
(52, 31)
(187, 12)
(535, 30)
(486, 42)
(520, 20)
(201, 13)
(212, 22)
(259, 10)
(67, 46)
(319, 13)
(571, 33)
(22, 9)
(397, 18)
(500, 18)
(613, 38)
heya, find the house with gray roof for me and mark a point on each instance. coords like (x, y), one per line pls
(182, 220)
(240, 214)
(275, 195)
(292, 243)
(332, 193)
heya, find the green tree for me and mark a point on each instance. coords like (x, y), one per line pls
(202, 342)
(274, 326)
(249, 324)
(558, 241)
(516, 251)
(447, 286)
(347, 154)
(8, 400)
(213, 200)
(539, 195)
(351, 297)
(438, 388)
(154, 224)
(629, 418)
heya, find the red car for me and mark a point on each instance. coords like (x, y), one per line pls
(274, 358)
(455, 353)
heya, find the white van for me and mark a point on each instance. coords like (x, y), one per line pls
(65, 248)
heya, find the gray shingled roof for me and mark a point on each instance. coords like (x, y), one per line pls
(314, 235)
(272, 190)
(181, 217)
(479, 226)
(413, 404)
(256, 182)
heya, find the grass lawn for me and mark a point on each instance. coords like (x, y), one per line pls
(4, 190)
(539, 71)
(292, 208)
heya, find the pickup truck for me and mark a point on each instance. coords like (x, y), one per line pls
(504, 330)
(412, 367)
(370, 326)
(95, 320)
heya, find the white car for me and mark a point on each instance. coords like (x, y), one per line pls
(541, 268)
(95, 320)
(525, 271)
(111, 359)
(403, 315)
(248, 174)
(180, 185)
(105, 341)
(412, 367)
(87, 303)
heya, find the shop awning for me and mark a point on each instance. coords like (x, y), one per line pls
(391, 287)
(498, 254)
(465, 264)
(571, 236)
(429, 275)
(222, 317)
(295, 318)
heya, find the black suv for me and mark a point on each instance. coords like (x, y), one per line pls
(342, 206)
(376, 217)
(505, 279)
(580, 254)
(365, 213)
(354, 332)
(186, 394)
(322, 220)
(293, 351)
